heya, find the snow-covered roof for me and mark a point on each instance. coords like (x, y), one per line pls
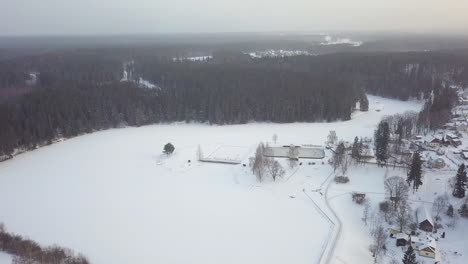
(464, 155)
(422, 214)
(415, 239)
(429, 246)
(452, 136)
(402, 236)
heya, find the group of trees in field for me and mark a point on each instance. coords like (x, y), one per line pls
(27, 251)
(262, 164)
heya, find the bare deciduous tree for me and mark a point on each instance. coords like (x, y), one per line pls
(258, 162)
(440, 204)
(293, 155)
(379, 242)
(366, 212)
(338, 156)
(396, 189)
(402, 215)
(274, 168)
(332, 138)
(275, 138)
(345, 162)
(385, 209)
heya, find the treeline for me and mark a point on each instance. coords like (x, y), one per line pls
(79, 91)
(27, 251)
(39, 118)
(208, 94)
(398, 75)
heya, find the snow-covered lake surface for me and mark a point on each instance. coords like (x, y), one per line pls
(113, 196)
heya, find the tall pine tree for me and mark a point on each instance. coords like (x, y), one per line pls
(459, 188)
(355, 149)
(381, 138)
(410, 256)
(415, 173)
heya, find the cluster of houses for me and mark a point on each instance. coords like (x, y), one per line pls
(424, 244)
(437, 141)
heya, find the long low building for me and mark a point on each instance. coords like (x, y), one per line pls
(300, 152)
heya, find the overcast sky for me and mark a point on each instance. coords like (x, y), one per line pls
(26, 17)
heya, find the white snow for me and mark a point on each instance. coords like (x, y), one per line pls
(5, 258)
(113, 196)
(329, 40)
(270, 53)
(194, 58)
(147, 84)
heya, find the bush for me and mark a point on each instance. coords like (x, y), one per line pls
(168, 149)
(359, 198)
(28, 251)
(450, 211)
(341, 179)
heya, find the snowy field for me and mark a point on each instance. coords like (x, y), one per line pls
(5, 258)
(113, 196)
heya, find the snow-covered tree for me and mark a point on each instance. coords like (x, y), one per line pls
(459, 188)
(463, 211)
(168, 149)
(415, 173)
(381, 140)
(338, 156)
(258, 162)
(332, 138)
(402, 215)
(450, 211)
(410, 256)
(275, 138)
(440, 204)
(293, 154)
(379, 242)
(274, 168)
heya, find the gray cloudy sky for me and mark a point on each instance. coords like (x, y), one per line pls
(24, 17)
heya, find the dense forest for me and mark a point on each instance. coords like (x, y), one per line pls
(80, 90)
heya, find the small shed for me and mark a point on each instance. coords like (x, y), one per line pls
(402, 239)
(424, 219)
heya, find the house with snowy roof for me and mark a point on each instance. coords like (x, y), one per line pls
(428, 249)
(424, 219)
(453, 139)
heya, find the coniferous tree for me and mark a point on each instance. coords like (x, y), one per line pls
(381, 138)
(364, 103)
(355, 149)
(459, 189)
(410, 256)
(415, 173)
(450, 211)
(464, 210)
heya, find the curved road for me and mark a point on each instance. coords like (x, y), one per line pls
(327, 253)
